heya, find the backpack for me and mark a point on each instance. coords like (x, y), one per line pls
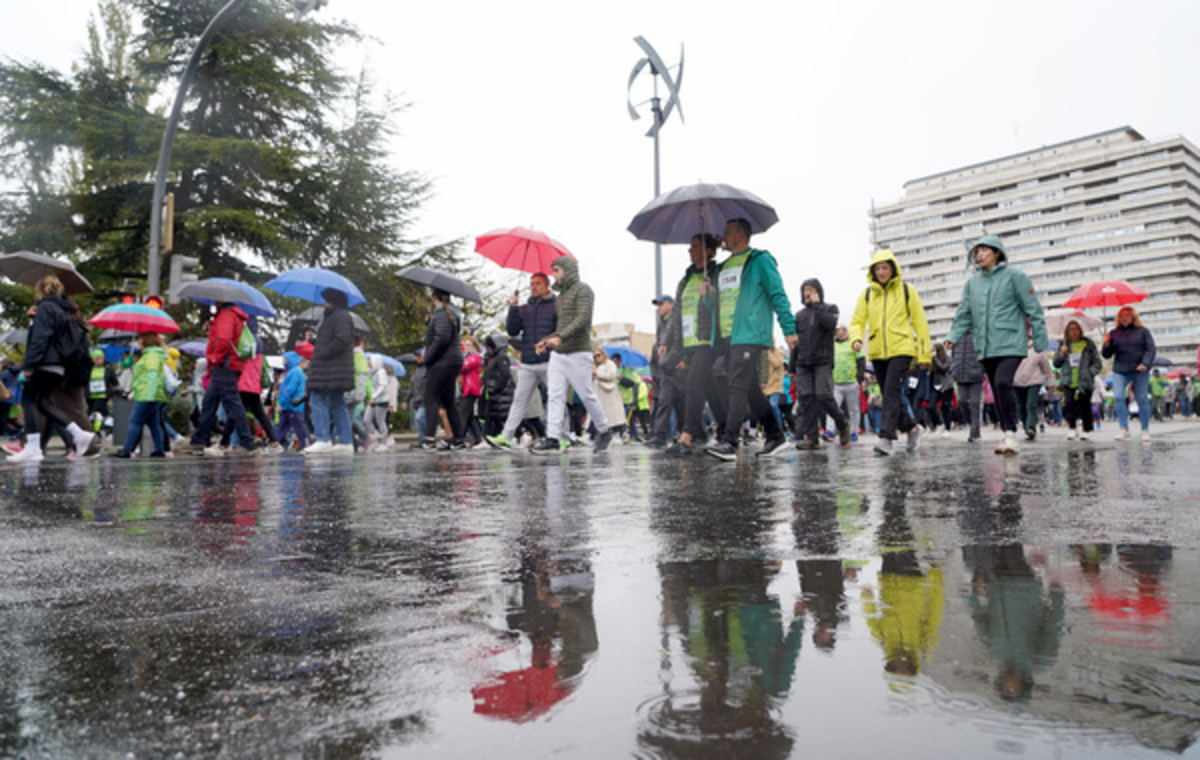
(72, 347)
(246, 344)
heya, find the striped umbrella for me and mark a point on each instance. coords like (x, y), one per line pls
(135, 317)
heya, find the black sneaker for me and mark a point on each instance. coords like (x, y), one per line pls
(602, 441)
(654, 442)
(455, 445)
(546, 447)
(679, 449)
(807, 445)
(771, 445)
(122, 454)
(425, 446)
(722, 450)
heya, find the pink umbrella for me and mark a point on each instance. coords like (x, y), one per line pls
(522, 249)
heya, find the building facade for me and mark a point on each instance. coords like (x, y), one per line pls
(1109, 206)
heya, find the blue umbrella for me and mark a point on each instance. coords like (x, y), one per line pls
(306, 283)
(388, 361)
(630, 357)
(222, 290)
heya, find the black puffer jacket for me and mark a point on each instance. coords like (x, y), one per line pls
(41, 347)
(497, 378)
(815, 325)
(332, 367)
(443, 347)
(964, 365)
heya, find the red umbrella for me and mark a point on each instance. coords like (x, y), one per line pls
(521, 249)
(519, 695)
(135, 317)
(1105, 293)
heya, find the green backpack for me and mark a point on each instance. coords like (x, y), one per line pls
(246, 344)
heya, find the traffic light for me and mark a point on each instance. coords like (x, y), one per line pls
(180, 274)
(154, 301)
(127, 298)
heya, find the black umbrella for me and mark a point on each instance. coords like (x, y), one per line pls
(26, 268)
(317, 313)
(407, 358)
(111, 336)
(441, 281)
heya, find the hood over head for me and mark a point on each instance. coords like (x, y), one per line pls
(815, 283)
(570, 267)
(374, 362)
(991, 241)
(496, 343)
(291, 359)
(883, 254)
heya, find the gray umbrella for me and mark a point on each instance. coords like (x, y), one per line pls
(26, 268)
(677, 216)
(18, 335)
(441, 281)
(317, 313)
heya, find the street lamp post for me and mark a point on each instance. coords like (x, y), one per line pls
(154, 264)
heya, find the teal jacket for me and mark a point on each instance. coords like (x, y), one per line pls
(761, 293)
(996, 305)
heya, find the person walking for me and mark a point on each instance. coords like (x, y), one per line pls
(1000, 305)
(1033, 373)
(497, 385)
(470, 383)
(414, 402)
(849, 369)
(941, 399)
(331, 376)
(149, 394)
(527, 323)
(968, 377)
(224, 368)
(604, 383)
(749, 290)
(250, 388)
(571, 359)
(670, 390)
(377, 405)
(890, 315)
(443, 363)
(1078, 364)
(1131, 347)
(812, 366)
(292, 391)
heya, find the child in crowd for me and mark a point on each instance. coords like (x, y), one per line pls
(149, 393)
(292, 393)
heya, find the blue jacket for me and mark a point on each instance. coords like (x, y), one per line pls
(293, 385)
(530, 322)
(1129, 347)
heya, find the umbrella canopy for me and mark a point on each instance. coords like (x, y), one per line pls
(441, 281)
(317, 313)
(18, 335)
(1161, 361)
(191, 346)
(216, 290)
(519, 695)
(110, 336)
(1105, 293)
(407, 358)
(522, 249)
(388, 361)
(630, 357)
(135, 317)
(27, 268)
(1058, 319)
(306, 283)
(677, 216)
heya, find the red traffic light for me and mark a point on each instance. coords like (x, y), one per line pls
(128, 298)
(154, 301)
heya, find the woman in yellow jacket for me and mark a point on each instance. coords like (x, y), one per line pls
(890, 314)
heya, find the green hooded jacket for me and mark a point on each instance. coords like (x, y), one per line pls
(1000, 307)
(761, 293)
(573, 308)
(148, 374)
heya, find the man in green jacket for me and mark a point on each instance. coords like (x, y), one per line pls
(749, 289)
(571, 363)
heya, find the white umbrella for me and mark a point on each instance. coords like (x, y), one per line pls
(1058, 319)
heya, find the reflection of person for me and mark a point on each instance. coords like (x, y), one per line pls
(1131, 347)
(890, 315)
(1018, 620)
(1079, 364)
(999, 304)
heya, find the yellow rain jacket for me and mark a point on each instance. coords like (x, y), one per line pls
(892, 316)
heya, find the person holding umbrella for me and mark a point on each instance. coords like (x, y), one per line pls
(224, 372)
(1131, 347)
(749, 289)
(331, 376)
(443, 363)
(999, 304)
(571, 361)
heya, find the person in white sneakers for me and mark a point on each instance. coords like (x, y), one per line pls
(1078, 361)
(56, 356)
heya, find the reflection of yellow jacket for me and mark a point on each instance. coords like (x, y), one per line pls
(893, 317)
(908, 616)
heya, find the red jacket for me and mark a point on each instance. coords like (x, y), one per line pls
(223, 336)
(471, 379)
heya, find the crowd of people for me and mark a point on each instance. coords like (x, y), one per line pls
(717, 379)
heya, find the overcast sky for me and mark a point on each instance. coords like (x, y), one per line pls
(518, 109)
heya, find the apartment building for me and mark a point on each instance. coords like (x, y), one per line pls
(1109, 206)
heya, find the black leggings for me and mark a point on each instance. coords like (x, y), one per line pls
(893, 374)
(254, 406)
(40, 411)
(439, 391)
(1000, 372)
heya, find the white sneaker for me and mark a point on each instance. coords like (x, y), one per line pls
(1084, 437)
(480, 445)
(319, 447)
(1071, 434)
(341, 448)
(1008, 445)
(83, 440)
(27, 454)
(1145, 436)
(1122, 435)
(914, 439)
(214, 451)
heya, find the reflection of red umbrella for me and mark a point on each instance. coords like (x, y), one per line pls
(522, 249)
(135, 317)
(520, 695)
(1105, 293)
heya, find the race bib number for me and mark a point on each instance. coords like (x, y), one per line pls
(1075, 360)
(96, 386)
(730, 279)
(689, 326)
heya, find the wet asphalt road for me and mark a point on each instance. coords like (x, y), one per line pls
(949, 603)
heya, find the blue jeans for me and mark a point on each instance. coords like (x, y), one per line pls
(327, 404)
(419, 422)
(145, 413)
(1141, 394)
